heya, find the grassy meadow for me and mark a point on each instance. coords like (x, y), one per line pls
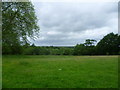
(59, 71)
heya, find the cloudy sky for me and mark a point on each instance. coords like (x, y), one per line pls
(71, 23)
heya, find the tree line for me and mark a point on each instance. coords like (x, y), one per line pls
(109, 45)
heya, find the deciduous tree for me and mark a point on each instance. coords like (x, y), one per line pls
(18, 22)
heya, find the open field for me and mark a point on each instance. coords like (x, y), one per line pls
(60, 71)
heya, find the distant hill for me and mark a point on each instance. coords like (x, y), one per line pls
(58, 46)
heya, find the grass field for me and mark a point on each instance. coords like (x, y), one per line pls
(60, 71)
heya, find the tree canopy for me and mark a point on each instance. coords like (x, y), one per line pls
(109, 44)
(89, 42)
(18, 23)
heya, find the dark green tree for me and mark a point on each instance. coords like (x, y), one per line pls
(90, 42)
(18, 22)
(80, 49)
(109, 44)
(88, 48)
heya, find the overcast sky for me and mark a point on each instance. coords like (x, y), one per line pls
(70, 23)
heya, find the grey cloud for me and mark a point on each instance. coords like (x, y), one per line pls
(69, 21)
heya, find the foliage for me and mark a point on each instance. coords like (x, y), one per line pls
(18, 22)
(90, 42)
(87, 48)
(48, 51)
(109, 44)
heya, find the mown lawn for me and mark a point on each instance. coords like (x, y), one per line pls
(60, 71)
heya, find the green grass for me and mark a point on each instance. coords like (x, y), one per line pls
(60, 71)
